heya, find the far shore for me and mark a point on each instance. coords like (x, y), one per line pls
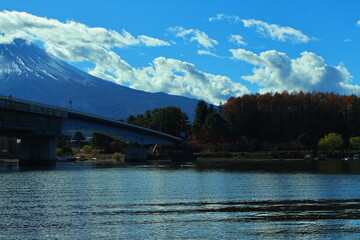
(210, 157)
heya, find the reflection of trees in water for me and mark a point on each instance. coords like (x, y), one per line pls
(283, 166)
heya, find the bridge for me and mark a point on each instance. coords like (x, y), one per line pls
(37, 125)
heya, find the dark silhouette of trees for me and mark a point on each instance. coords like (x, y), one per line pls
(78, 136)
(168, 120)
(215, 127)
(208, 125)
(106, 144)
(101, 141)
(284, 117)
(257, 121)
(201, 111)
(354, 143)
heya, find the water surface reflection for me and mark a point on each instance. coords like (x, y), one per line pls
(295, 165)
(163, 201)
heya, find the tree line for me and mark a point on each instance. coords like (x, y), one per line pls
(260, 121)
(256, 122)
(284, 117)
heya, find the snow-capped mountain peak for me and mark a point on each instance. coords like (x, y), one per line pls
(27, 71)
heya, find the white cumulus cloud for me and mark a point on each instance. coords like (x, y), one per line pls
(222, 17)
(358, 23)
(277, 32)
(182, 78)
(205, 52)
(195, 35)
(237, 39)
(276, 72)
(152, 42)
(24, 25)
(171, 76)
(273, 31)
(77, 42)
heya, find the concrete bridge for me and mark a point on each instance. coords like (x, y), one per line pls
(37, 125)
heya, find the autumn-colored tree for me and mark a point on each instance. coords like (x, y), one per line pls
(282, 117)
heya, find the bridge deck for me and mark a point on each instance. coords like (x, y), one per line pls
(22, 114)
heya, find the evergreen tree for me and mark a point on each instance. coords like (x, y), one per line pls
(101, 141)
(170, 120)
(201, 112)
(215, 126)
(78, 136)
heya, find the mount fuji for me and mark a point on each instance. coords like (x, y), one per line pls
(28, 72)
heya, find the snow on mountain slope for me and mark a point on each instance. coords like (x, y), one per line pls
(28, 72)
(24, 60)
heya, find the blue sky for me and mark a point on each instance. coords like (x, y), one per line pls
(210, 50)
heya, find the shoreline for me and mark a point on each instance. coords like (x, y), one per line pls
(196, 157)
(232, 164)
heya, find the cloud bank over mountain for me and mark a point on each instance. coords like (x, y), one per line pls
(104, 48)
(77, 42)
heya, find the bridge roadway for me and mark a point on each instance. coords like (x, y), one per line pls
(37, 125)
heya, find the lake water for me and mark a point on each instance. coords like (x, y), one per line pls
(81, 201)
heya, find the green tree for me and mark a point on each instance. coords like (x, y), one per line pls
(201, 112)
(215, 126)
(170, 120)
(61, 142)
(101, 141)
(66, 150)
(87, 148)
(354, 142)
(78, 136)
(331, 141)
(305, 140)
(211, 109)
(142, 120)
(131, 119)
(117, 146)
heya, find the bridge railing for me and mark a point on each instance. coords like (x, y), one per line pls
(113, 121)
(64, 113)
(29, 106)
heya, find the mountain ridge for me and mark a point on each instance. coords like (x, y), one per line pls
(28, 72)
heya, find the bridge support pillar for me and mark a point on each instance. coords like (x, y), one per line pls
(133, 154)
(37, 151)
